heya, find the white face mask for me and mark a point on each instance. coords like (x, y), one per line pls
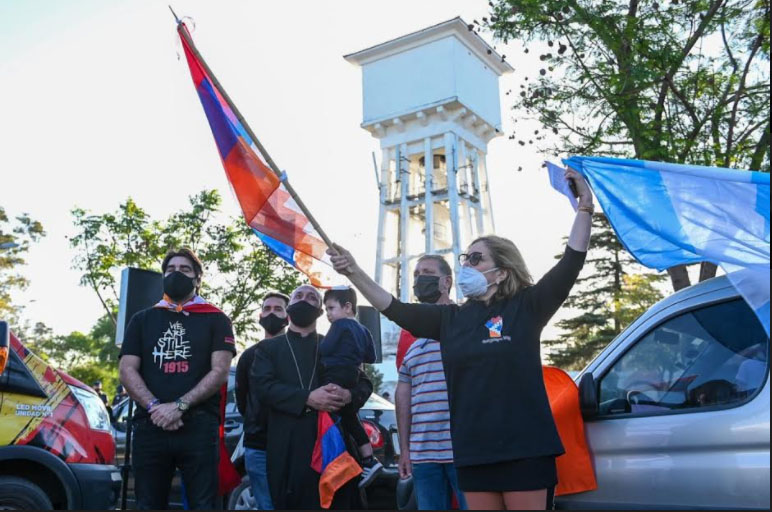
(472, 282)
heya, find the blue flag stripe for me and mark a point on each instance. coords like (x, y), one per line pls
(672, 214)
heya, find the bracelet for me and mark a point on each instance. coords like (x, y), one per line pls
(588, 209)
(152, 404)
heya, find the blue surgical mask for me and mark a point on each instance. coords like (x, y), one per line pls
(472, 282)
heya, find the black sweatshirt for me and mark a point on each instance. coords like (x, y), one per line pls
(491, 353)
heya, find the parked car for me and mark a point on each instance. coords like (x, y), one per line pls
(380, 421)
(56, 449)
(677, 407)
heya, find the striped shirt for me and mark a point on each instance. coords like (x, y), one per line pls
(430, 414)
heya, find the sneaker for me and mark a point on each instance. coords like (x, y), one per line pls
(370, 469)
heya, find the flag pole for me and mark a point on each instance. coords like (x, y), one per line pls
(184, 34)
(174, 14)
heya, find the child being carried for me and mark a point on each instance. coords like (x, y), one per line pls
(347, 345)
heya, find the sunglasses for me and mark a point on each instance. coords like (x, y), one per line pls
(473, 258)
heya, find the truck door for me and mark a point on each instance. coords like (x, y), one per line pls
(684, 415)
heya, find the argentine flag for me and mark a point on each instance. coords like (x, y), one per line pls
(670, 214)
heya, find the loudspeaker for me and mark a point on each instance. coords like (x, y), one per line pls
(371, 318)
(140, 289)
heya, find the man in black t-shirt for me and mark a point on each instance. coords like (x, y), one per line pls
(174, 360)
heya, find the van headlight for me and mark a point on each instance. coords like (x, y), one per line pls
(96, 412)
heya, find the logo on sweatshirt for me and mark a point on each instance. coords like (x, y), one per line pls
(495, 325)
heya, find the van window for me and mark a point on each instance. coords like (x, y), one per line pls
(715, 355)
(17, 378)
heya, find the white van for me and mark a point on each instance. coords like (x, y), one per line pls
(677, 408)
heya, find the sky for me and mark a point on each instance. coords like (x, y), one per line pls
(97, 106)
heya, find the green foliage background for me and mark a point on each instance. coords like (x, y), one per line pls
(612, 291)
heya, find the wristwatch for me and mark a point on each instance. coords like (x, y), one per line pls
(182, 405)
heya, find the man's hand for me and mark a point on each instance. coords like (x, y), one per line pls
(405, 466)
(329, 397)
(165, 415)
(174, 426)
(342, 393)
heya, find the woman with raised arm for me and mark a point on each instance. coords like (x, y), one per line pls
(504, 437)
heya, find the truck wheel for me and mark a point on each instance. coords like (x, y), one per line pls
(21, 494)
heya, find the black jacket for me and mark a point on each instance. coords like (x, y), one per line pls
(255, 417)
(282, 376)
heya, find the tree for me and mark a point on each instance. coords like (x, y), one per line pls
(15, 239)
(684, 81)
(375, 376)
(238, 270)
(86, 356)
(77, 348)
(608, 299)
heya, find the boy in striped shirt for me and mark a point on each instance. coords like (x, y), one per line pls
(423, 415)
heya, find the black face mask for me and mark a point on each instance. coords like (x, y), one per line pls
(177, 285)
(427, 288)
(273, 323)
(303, 313)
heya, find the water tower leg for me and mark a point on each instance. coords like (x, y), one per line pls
(403, 165)
(451, 168)
(485, 194)
(463, 165)
(384, 187)
(429, 199)
(478, 193)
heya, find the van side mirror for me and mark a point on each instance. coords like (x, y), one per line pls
(588, 396)
(5, 337)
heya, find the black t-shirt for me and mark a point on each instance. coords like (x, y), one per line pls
(499, 409)
(176, 351)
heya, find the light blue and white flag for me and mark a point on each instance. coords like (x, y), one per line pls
(560, 183)
(670, 214)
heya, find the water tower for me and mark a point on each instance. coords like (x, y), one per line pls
(432, 100)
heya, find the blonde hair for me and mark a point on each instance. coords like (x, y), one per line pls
(506, 256)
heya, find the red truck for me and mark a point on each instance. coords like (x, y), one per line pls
(56, 446)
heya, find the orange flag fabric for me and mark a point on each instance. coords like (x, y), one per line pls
(575, 471)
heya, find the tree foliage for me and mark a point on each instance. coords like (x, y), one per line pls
(684, 81)
(375, 376)
(238, 270)
(16, 236)
(87, 356)
(614, 294)
(77, 348)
